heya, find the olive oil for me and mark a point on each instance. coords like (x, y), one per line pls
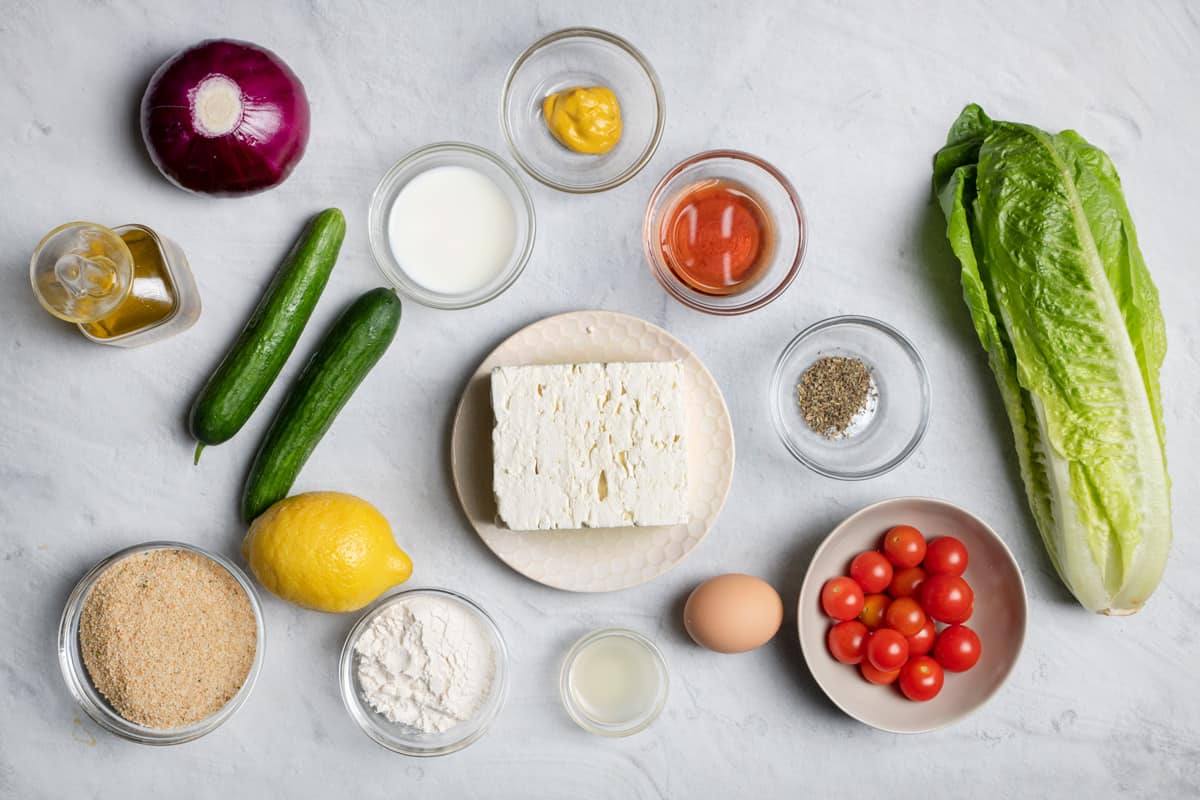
(125, 286)
(153, 296)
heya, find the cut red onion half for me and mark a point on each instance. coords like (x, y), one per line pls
(225, 117)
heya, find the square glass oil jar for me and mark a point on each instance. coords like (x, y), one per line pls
(162, 301)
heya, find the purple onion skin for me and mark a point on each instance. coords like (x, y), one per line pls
(261, 149)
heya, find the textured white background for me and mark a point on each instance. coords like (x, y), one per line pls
(850, 100)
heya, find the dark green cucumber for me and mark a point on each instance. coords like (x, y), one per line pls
(349, 350)
(243, 377)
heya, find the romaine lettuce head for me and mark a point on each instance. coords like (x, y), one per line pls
(1065, 309)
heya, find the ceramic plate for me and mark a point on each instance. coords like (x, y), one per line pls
(999, 616)
(594, 559)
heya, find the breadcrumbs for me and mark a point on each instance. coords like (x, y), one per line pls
(168, 637)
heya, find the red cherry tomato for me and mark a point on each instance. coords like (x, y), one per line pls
(906, 582)
(905, 616)
(874, 609)
(958, 648)
(872, 571)
(904, 546)
(947, 598)
(842, 598)
(887, 649)
(878, 676)
(946, 555)
(848, 641)
(922, 641)
(921, 679)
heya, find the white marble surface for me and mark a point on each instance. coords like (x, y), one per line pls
(850, 100)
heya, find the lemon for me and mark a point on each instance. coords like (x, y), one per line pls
(326, 551)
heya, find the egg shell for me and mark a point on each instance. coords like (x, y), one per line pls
(733, 613)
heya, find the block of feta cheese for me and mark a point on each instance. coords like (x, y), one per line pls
(589, 445)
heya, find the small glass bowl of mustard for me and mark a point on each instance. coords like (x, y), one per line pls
(588, 58)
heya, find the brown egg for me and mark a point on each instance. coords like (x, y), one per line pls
(733, 613)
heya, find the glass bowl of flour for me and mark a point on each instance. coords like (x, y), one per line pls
(424, 672)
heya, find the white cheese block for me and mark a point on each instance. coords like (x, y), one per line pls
(589, 445)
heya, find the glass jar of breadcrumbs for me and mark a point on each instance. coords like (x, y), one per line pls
(126, 584)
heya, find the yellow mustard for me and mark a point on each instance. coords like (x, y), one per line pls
(586, 119)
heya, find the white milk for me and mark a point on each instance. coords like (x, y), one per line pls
(452, 229)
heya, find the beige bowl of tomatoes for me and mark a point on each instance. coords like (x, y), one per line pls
(912, 614)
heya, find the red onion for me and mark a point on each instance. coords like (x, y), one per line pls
(225, 117)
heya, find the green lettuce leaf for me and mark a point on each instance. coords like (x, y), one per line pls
(1064, 306)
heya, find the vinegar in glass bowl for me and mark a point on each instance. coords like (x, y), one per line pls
(717, 237)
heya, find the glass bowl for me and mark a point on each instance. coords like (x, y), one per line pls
(778, 199)
(444, 154)
(581, 57)
(897, 423)
(402, 738)
(79, 683)
(579, 713)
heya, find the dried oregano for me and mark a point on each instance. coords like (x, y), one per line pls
(832, 392)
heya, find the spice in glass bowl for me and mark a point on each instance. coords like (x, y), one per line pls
(168, 637)
(837, 396)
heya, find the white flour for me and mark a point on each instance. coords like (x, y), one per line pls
(426, 662)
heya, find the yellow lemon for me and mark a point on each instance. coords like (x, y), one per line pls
(326, 551)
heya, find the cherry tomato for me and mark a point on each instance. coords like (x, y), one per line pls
(922, 641)
(957, 648)
(872, 571)
(947, 598)
(946, 555)
(887, 649)
(905, 616)
(874, 609)
(842, 598)
(906, 582)
(878, 676)
(848, 641)
(921, 679)
(904, 546)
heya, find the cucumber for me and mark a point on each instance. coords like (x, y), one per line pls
(349, 350)
(243, 377)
